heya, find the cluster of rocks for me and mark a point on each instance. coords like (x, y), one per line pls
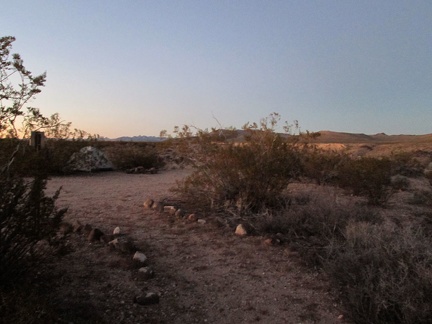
(141, 170)
(172, 210)
(241, 229)
(121, 243)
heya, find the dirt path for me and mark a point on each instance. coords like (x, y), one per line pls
(204, 274)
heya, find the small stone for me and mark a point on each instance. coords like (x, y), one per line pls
(179, 213)
(158, 206)
(116, 231)
(268, 241)
(152, 170)
(170, 210)
(201, 221)
(113, 243)
(95, 235)
(148, 299)
(77, 226)
(140, 257)
(240, 230)
(192, 218)
(340, 317)
(145, 273)
(148, 203)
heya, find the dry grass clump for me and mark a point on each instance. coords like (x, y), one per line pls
(384, 273)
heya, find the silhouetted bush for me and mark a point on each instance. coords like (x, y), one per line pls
(27, 217)
(126, 155)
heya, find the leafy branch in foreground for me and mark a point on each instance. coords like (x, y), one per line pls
(27, 216)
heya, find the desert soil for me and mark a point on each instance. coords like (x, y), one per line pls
(203, 272)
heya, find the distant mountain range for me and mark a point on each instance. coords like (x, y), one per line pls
(345, 138)
(140, 138)
(325, 137)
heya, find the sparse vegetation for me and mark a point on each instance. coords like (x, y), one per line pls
(240, 177)
(382, 266)
(130, 155)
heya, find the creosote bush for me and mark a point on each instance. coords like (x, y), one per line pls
(370, 177)
(240, 177)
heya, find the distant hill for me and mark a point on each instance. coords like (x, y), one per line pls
(326, 137)
(140, 138)
(352, 138)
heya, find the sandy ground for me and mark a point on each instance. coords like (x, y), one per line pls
(203, 273)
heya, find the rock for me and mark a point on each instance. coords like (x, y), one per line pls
(95, 235)
(148, 203)
(113, 243)
(147, 299)
(268, 241)
(122, 244)
(88, 159)
(170, 210)
(201, 221)
(145, 273)
(272, 241)
(116, 231)
(139, 257)
(77, 226)
(179, 213)
(152, 170)
(240, 230)
(158, 206)
(192, 218)
(65, 228)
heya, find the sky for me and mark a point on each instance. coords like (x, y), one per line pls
(125, 68)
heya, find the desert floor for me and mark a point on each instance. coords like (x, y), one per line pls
(203, 272)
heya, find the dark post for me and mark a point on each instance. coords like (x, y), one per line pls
(37, 140)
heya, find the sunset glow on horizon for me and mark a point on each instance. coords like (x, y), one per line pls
(138, 67)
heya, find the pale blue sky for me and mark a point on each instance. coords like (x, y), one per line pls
(137, 67)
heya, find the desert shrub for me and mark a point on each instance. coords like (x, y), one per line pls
(400, 182)
(130, 155)
(320, 166)
(369, 177)
(405, 164)
(315, 227)
(239, 177)
(27, 216)
(384, 273)
(421, 197)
